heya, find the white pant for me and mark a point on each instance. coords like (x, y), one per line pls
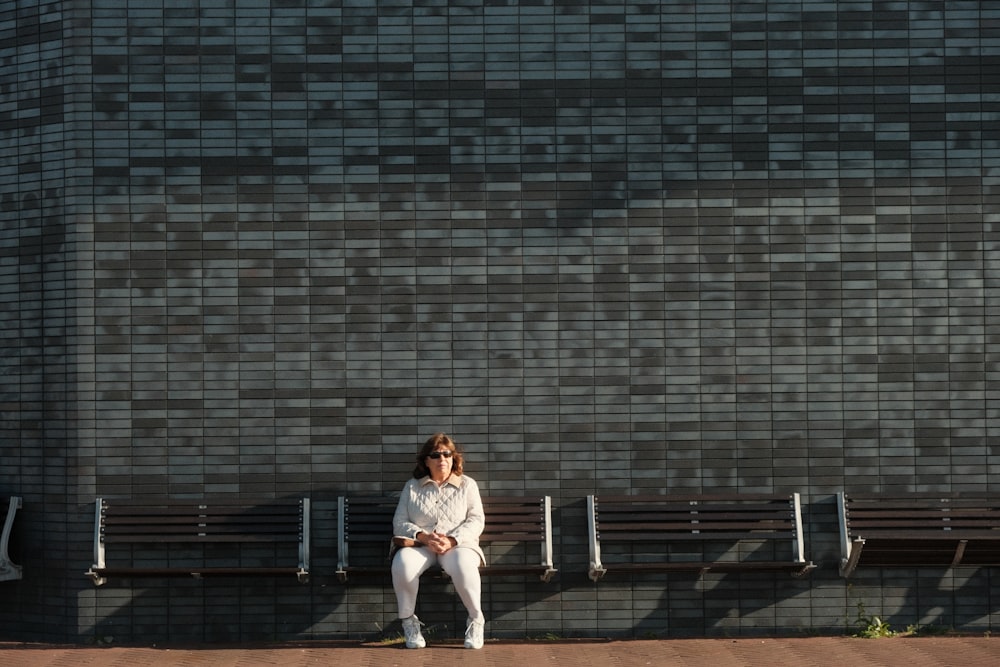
(462, 565)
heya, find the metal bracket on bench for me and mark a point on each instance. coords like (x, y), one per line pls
(798, 543)
(850, 549)
(850, 563)
(304, 539)
(8, 570)
(550, 570)
(96, 577)
(959, 553)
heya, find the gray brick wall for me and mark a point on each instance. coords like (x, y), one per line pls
(263, 248)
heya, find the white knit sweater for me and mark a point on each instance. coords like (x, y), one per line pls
(454, 508)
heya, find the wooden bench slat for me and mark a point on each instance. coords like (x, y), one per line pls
(935, 534)
(714, 566)
(197, 572)
(667, 521)
(663, 537)
(635, 503)
(241, 523)
(115, 506)
(510, 536)
(987, 517)
(929, 512)
(728, 523)
(149, 538)
(701, 498)
(686, 510)
(514, 519)
(923, 524)
(215, 523)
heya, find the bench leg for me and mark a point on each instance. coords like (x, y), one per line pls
(850, 562)
(959, 553)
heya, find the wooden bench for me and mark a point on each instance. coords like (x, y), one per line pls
(515, 526)
(918, 530)
(700, 533)
(8, 570)
(201, 537)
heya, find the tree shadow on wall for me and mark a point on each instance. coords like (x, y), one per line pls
(926, 600)
(691, 605)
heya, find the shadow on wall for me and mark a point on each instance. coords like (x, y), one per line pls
(962, 599)
(714, 605)
(685, 566)
(35, 597)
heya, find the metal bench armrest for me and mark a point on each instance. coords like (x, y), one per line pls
(596, 569)
(8, 570)
(305, 538)
(550, 569)
(342, 562)
(99, 562)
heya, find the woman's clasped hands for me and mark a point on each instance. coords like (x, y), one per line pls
(439, 543)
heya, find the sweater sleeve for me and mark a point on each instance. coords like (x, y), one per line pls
(469, 530)
(402, 525)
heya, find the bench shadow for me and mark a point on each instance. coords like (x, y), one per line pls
(241, 609)
(722, 583)
(711, 604)
(258, 609)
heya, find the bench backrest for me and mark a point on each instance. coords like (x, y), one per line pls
(200, 521)
(698, 518)
(918, 529)
(923, 516)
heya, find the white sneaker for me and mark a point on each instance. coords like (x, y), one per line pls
(474, 634)
(411, 629)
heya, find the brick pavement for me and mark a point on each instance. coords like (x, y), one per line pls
(772, 652)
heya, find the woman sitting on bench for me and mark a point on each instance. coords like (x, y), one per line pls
(438, 522)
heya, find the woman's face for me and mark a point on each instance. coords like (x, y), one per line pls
(439, 463)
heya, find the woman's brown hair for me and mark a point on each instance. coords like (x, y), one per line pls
(437, 441)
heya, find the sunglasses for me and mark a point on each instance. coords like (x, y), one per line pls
(437, 455)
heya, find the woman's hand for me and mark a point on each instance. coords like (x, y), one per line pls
(437, 542)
